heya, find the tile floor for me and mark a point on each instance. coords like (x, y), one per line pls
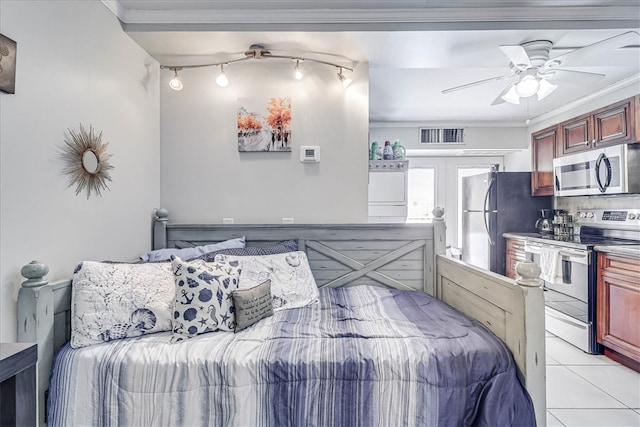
(588, 390)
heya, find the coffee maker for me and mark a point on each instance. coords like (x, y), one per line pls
(544, 224)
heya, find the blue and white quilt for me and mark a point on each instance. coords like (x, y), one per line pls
(364, 356)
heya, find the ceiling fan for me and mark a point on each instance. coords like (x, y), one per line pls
(533, 72)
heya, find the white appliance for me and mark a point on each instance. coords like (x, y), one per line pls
(610, 170)
(388, 190)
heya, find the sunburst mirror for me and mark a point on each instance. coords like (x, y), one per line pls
(86, 161)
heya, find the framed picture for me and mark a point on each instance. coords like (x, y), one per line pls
(264, 124)
(7, 64)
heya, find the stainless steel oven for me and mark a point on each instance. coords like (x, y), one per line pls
(570, 288)
(567, 293)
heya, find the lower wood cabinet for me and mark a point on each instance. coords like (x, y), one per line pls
(515, 254)
(618, 308)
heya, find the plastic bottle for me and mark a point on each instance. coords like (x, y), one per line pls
(387, 152)
(399, 151)
(372, 151)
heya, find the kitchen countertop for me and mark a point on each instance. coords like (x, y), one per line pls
(624, 250)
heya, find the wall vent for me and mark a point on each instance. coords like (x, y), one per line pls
(442, 136)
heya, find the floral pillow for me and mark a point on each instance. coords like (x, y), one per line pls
(110, 301)
(203, 297)
(292, 283)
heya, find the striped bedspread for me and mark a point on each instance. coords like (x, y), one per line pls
(363, 356)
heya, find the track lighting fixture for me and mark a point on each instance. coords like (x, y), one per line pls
(222, 79)
(255, 52)
(175, 83)
(346, 81)
(297, 72)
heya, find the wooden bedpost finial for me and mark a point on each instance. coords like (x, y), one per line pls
(162, 214)
(528, 272)
(34, 272)
(438, 214)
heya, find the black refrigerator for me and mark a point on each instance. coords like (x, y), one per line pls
(492, 204)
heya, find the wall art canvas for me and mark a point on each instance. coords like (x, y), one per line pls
(7, 64)
(264, 124)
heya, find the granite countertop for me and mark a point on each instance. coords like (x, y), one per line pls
(624, 250)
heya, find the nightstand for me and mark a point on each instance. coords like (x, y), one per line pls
(18, 384)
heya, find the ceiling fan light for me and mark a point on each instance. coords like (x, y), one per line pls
(511, 96)
(546, 89)
(527, 86)
(222, 79)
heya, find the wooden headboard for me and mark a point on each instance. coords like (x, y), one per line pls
(400, 256)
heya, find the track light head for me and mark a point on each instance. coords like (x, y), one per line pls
(297, 72)
(222, 79)
(175, 83)
(346, 81)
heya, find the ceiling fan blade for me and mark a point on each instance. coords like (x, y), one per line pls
(598, 48)
(517, 55)
(499, 99)
(561, 75)
(472, 84)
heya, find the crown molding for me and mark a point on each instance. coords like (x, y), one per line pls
(372, 18)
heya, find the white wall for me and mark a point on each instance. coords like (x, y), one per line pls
(75, 65)
(205, 178)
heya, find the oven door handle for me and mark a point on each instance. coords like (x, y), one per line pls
(536, 249)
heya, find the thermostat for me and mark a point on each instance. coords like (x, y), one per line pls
(309, 153)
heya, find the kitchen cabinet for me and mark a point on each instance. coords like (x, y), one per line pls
(575, 135)
(543, 149)
(618, 308)
(610, 125)
(515, 254)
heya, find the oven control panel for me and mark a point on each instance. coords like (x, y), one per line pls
(612, 217)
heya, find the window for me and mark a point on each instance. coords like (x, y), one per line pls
(422, 194)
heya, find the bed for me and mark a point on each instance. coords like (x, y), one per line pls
(376, 319)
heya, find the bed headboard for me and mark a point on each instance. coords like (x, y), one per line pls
(400, 256)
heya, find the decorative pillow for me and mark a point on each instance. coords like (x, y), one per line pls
(203, 300)
(280, 248)
(292, 283)
(252, 305)
(188, 253)
(112, 301)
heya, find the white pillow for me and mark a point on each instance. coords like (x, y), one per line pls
(292, 283)
(113, 301)
(188, 253)
(203, 297)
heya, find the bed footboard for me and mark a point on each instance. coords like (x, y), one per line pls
(513, 311)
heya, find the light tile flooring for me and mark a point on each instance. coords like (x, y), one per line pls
(588, 390)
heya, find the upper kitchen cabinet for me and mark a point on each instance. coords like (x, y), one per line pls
(611, 125)
(543, 149)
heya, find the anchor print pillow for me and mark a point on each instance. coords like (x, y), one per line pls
(203, 297)
(111, 301)
(292, 282)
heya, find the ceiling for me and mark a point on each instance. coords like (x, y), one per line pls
(415, 49)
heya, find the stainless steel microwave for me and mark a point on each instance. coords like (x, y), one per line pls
(610, 170)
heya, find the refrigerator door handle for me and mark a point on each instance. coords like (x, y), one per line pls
(486, 212)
